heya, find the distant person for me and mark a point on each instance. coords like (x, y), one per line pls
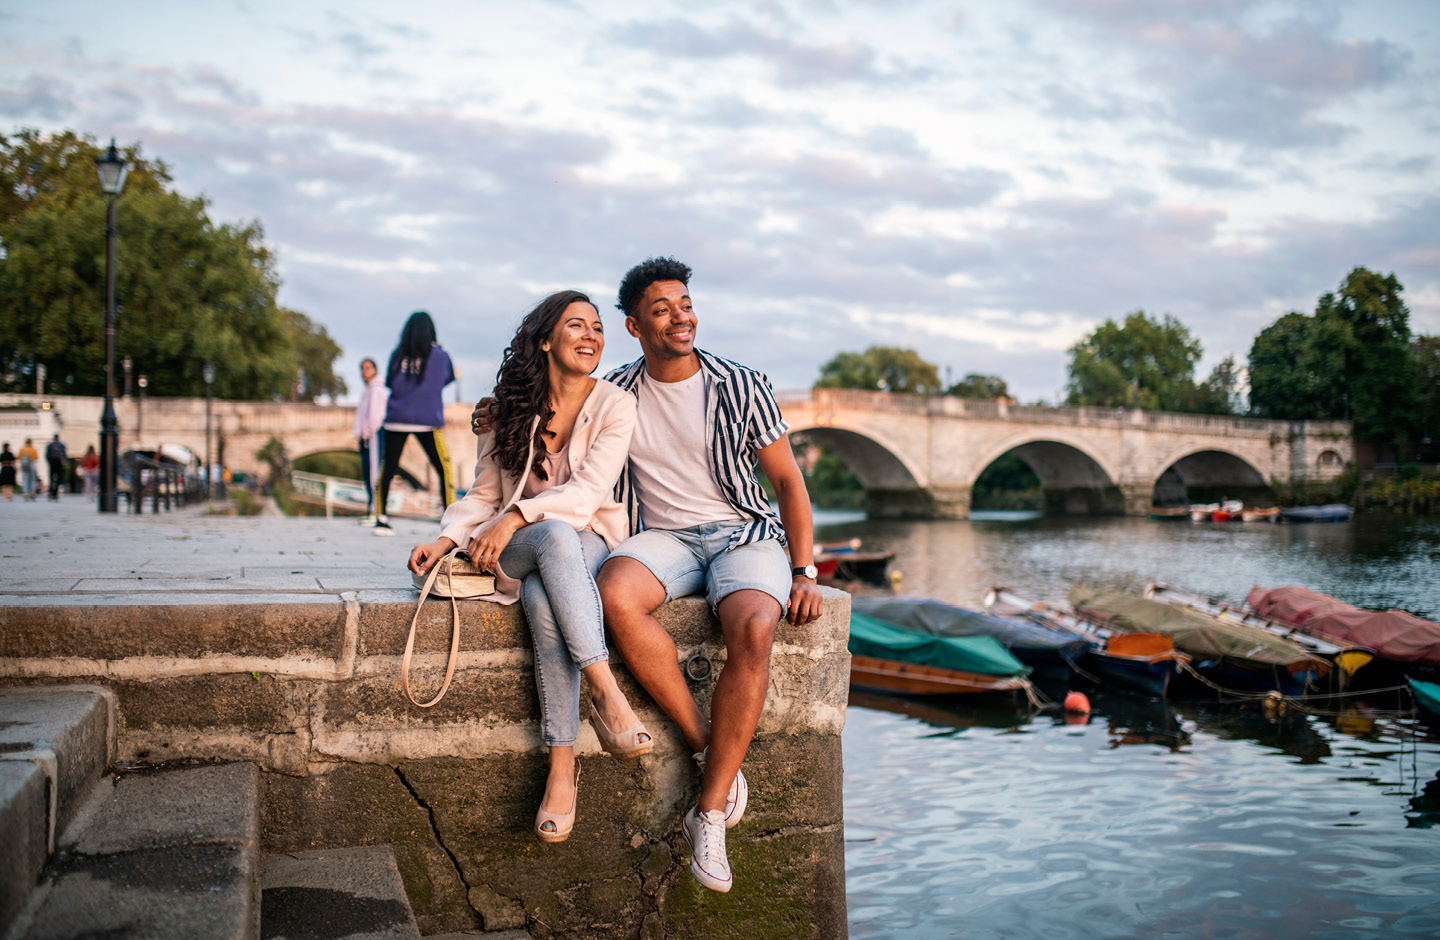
(29, 469)
(417, 375)
(56, 457)
(90, 469)
(369, 419)
(7, 472)
(542, 516)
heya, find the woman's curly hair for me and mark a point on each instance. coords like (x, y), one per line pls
(522, 386)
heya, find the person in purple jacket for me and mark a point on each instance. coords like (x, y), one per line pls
(417, 375)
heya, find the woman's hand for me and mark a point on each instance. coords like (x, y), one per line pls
(485, 550)
(482, 419)
(423, 556)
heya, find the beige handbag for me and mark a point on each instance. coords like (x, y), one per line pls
(453, 576)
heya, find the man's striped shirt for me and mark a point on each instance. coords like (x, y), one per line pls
(741, 417)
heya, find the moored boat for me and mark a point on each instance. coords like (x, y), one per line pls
(892, 659)
(1251, 514)
(1169, 513)
(844, 561)
(1202, 513)
(1348, 657)
(1144, 662)
(1394, 635)
(1230, 655)
(1427, 694)
(1048, 650)
(1333, 512)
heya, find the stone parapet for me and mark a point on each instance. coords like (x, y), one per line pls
(306, 686)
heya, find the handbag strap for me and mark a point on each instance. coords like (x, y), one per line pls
(454, 633)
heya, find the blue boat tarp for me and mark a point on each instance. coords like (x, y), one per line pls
(980, 654)
(936, 618)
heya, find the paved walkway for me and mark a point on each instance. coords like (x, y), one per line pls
(68, 546)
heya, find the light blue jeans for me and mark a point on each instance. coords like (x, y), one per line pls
(556, 566)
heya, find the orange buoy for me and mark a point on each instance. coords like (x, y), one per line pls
(1076, 703)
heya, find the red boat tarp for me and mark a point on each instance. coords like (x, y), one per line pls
(1392, 634)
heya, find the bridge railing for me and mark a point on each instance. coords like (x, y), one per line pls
(994, 410)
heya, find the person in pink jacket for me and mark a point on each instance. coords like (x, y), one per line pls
(542, 516)
(369, 419)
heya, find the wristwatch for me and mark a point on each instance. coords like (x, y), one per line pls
(809, 571)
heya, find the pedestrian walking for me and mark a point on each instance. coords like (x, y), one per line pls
(7, 472)
(90, 470)
(369, 422)
(56, 457)
(417, 375)
(29, 469)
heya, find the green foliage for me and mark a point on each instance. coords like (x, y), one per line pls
(1351, 360)
(1008, 483)
(1426, 350)
(1141, 363)
(975, 385)
(342, 464)
(883, 368)
(188, 290)
(828, 479)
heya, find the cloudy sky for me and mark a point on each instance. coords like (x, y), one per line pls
(982, 182)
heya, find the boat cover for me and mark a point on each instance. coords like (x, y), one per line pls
(1201, 636)
(980, 654)
(923, 615)
(1392, 634)
(1427, 694)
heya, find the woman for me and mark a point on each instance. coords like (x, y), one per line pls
(7, 472)
(542, 516)
(418, 373)
(369, 419)
(29, 469)
(90, 469)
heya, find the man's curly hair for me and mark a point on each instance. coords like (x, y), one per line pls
(647, 272)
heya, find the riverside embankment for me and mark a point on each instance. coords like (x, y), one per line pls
(277, 642)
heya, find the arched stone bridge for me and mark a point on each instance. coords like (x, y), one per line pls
(919, 456)
(916, 456)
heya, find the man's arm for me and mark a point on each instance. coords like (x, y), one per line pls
(778, 463)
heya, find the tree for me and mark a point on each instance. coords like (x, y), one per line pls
(1221, 393)
(188, 291)
(1279, 388)
(883, 368)
(975, 385)
(1427, 361)
(1141, 363)
(1352, 360)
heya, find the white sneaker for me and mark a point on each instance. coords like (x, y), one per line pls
(383, 528)
(368, 521)
(706, 834)
(738, 796)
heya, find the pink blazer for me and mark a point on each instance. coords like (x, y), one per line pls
(599, 447)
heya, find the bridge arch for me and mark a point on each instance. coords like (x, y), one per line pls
(893, 487)
(1209, 474)
(1075, 482)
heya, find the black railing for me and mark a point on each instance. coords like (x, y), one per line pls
(164, 484)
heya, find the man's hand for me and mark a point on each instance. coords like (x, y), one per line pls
(485, 550)
(483, 416)
(423, 556)
(806, 602)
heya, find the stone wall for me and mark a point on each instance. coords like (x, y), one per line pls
(307, 687)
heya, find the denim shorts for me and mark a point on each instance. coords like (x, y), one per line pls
(686, 561)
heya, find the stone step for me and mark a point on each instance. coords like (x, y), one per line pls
(352, 893)
(171, 853)
(55, 744)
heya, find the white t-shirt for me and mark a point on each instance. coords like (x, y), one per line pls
(670, 457)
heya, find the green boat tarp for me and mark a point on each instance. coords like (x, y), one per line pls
(980, 654)
(1193, 632)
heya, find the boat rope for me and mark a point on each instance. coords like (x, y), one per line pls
(1036, 697)
(1300, 704)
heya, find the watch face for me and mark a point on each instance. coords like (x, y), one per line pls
(809, 571)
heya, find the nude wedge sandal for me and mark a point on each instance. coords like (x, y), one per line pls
(625, 743)
(564, 823)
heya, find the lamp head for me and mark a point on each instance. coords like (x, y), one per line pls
(112, 168)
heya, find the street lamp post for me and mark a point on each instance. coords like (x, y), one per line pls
(140, 410)
(209, 373)
(111, 167)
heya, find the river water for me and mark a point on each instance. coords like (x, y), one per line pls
(982, 817)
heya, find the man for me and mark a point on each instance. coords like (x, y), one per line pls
(55, 456)
(701, 522)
